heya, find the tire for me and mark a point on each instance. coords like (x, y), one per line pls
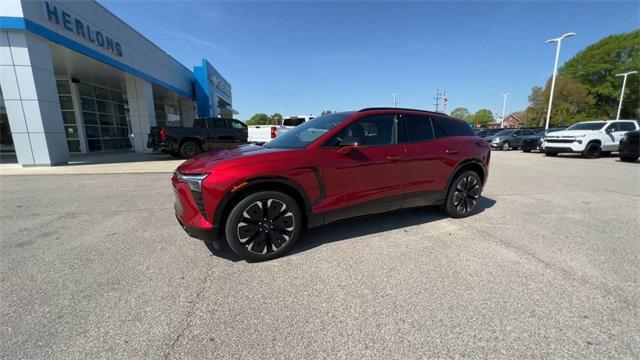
(526, 150)
(550, 153)
(605, 153)
(504, 146)
(629, 158)
(175, 155)
(463, 194)
(189, 149)
(592, 151)
(254, 239)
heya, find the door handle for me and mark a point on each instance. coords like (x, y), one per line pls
(394, 158)
(452, 151)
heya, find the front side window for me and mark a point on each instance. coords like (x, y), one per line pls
(414, 128)
(238, 124)
(373, 130)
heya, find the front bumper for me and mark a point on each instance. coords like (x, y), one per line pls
(208, 235)
(191, 214)
(563, 146)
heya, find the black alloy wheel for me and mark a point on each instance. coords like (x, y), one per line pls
(189, 149)
(592, 151)
(264, 225)
(464, 194)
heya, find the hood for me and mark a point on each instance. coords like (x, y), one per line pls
(489, 138)
(569, 133)
(204, 162)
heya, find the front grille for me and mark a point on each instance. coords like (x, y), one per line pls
(200, 202)
(560, 141)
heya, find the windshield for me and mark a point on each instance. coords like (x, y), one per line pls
(303, 135)
(504, 133)
(587, 126)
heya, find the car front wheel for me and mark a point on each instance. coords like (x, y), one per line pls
(263, 225)
(592, 151)
(505, 146)
(463, 195)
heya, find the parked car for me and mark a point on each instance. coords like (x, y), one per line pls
(534, 142)
(590, 138)
(260, 134)
(206, 134)
(259, 198)
(508, 138)
(483, 133)
(630, 146)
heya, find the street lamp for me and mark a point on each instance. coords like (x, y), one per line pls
(624, 83)
(504, 107)
(395, 99)
(555, 71)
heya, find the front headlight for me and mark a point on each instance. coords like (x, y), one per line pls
(495, 140)
(194, 181)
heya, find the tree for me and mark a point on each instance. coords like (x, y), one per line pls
(327, 112)
(482, 117)
(571, 103)
(461, 113)
(259, 119)
(595, 67)
(276, 119)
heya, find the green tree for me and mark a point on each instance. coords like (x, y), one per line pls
(326, 112)
(482, 117)
(595, 67)
(259, 119)
(276, 119)
(572, 102)
(461, 113)
(537, 109)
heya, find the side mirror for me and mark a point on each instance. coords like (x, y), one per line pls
(610, 129)
(348, 145)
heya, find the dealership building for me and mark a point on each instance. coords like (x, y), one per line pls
(75, 78)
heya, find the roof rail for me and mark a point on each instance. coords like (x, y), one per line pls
(405, 109)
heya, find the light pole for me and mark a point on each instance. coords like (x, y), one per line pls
(624, 83)
(504, 108)
(395, 99)
(555, 71)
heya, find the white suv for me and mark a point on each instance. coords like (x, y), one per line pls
(591, 138)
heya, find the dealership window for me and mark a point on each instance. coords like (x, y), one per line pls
(68, 115)
(105, 116)
(167, 114)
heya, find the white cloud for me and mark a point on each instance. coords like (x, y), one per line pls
(195, 40)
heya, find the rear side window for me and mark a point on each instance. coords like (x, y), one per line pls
(217, 123)
(414, 128)
(626, 126)
(450, 127)
(293, 121)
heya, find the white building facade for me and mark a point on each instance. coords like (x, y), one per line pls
(74, 78)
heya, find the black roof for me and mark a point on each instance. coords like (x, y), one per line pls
(404, 109)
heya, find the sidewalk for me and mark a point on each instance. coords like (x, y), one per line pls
(103, 163)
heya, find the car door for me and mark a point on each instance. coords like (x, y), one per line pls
(618, 131)
(426, 159)
(239, 130)
(218, 132)
(363, 170)
(521, 134)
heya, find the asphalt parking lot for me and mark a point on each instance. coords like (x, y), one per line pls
(95, 266)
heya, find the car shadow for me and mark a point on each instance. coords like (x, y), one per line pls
(356, 227)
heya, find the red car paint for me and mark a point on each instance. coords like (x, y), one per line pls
(325, 179)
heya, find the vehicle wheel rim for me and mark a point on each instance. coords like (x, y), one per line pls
(265, 226)
(505, 146)
(190, 150)
(466, 194)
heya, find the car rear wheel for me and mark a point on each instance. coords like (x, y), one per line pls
(526, 150)
(628, 158)
(505, 146)
(592, 151)
(263, 226)
(189, 149)
(463, 194)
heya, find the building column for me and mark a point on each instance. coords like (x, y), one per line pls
(31, 99)
(141, 112)
(187, 112)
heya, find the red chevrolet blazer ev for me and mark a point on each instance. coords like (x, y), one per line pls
(260, 198)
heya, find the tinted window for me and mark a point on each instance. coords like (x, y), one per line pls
(587, 126)
(451, 127)
(626, 126)
(413, 128)
(527, 132)
(217, 123)
(373, 130)
(238, 124)
(305, 134)
(293, 121)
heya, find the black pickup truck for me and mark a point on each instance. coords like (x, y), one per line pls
(206, 134)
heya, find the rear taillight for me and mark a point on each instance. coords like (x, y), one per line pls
(163, 134)
(273, 132)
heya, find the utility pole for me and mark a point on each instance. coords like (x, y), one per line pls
(558, 41)
(624, 83)
(395, 99)
(437, 99)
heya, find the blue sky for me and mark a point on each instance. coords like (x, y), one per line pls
(307, 56)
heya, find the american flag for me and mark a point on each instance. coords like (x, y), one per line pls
(444, 102)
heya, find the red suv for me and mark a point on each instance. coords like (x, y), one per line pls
(337, 166)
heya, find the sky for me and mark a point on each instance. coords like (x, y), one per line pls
(307, 56)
